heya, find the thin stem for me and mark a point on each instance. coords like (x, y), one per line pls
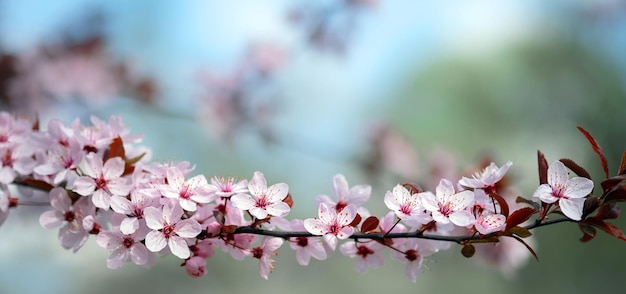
(381, 236)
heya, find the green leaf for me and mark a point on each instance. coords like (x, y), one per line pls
(522, 232)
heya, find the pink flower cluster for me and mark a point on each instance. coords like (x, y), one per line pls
(100, 182)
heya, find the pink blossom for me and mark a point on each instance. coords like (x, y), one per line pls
(189, 192)
(332, 225)
(264, 253)
(226, 187)
(13, 131)
(507, 255)
(195, 266)
(367, 254)
(125, 247)
(237, 244)
(412, 252)
(408, 207)
(133, 209)
(486, 179)
(102, 181)
(61, 161)
(570, 193)
(263, 201)
(489, 222)
(73, 234)
(343, 195)
(305, 247)
(447, 206)
(15, 161)
(169, 230)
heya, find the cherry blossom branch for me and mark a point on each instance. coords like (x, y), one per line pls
(98, 182)
(382, 236)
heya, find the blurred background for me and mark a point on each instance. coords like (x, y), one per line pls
(383, 91)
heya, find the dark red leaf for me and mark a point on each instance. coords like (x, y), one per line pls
(38, 184)
(622, 166)
(608, 211)
(504, 207)
(521, 232)
(543, 168)
(128, 170)
(289, 200)
(611, 229)
(618, 194)
(590, 205)
(589, 232)
(468, 250)
(527, 246)
(356, 221)
(611, 183)
(116, 149)
(370, 224)
(519, 216)
(597, 149)
(577, 169)
(520, 199)
(413, 188)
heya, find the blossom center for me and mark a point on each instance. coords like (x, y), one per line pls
(411, 255)
(257, 252)
(406, 209)
(340, 205)
(334, 228)
(302, 241)
(445, 209)
(168, 231)
(90, 149)
(558, 192)
(69, 216)
(128, 242)
(364, 251)
(137, 212)
(101, 183)
(185, 192)
(261, 202)
(7, 159)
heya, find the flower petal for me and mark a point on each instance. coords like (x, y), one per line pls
(118, 258)
(557, 174)
(154, 218)
(188, 228)
(113, 168)
(179, 247)
(277, 192)
(155, 241)
(578, 187)
(257, 185)
(572, 208)
(278, 209)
